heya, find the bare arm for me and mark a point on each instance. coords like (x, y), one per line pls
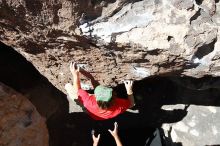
(76, 82)
(131, 98)
(114, 133)
(76, 77)
(89, 75)
(118, 141)
(128, 86)
(95, 139)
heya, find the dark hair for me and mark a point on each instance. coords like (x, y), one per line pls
(104, 104)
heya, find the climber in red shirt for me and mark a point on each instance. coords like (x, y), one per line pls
(103, 104)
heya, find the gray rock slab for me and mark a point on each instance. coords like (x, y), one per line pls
(200, 127)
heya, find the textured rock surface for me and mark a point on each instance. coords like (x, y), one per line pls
(20, 123)
(119, 40)
(155, 91)
(169, 35)
(199, 127)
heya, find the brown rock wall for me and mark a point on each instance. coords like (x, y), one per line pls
(20, 123)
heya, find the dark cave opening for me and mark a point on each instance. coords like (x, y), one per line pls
(74, 129)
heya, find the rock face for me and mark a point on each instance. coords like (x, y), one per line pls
(20, 123)
(114, 40)
(199, 127)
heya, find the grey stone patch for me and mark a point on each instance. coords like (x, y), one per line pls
(140, 72)
(183, 4)
(86, 86)
(129, 17)
(201, 126)
(216, 16)
(173, 107)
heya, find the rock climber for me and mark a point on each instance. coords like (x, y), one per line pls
(104, 103)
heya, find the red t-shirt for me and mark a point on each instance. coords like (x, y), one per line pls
(89, 102)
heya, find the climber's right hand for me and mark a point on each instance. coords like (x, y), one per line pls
(74, 68)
